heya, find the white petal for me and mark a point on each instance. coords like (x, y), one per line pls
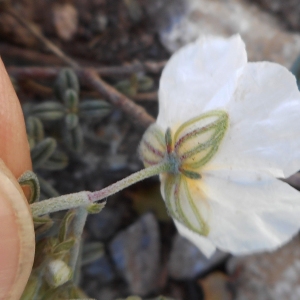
(199, 77)
(203, 244)
(250, 211)
(264, 117)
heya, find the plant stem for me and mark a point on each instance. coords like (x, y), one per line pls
(76, 231)
(31, 72)
(85, 198)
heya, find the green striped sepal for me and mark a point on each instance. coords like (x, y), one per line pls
(191, 147)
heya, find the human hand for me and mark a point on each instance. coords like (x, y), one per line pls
(16, 227)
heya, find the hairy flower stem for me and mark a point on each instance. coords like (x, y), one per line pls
(85, 198)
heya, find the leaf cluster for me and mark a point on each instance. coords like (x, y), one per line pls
(68, 110)
(52, 275)
(135, 84)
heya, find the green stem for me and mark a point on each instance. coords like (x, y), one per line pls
(76, 230)
(85, 198)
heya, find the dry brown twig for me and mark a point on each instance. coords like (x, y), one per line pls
(151, 96)
(30, 55)
(114, 71)
(137, 113)
(49, 73)
(36, 88)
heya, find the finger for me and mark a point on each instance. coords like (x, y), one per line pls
(14, 148)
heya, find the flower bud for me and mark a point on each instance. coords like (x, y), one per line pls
(57, 273)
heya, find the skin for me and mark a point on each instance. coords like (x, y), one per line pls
(15, 150)
(16, 228)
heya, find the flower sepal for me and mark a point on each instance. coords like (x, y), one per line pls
(193, 144)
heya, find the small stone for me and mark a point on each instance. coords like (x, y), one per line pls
(187, 262)
(134, 10)
(265, 37)
(216, 287)
(136, 253)
(104, 225)
(117, 162)
(101, 269)
(267, 276)
(65, 19)
(111, 291)
(99, 23)
(288, 10)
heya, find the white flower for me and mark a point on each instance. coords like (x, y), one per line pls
(234, 129)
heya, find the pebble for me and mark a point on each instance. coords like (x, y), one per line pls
(265, 36)
(136, 254)
(65, 20)
(101, 269)
(187, 262)
(267, 276)
(288, 10)
(102, 226)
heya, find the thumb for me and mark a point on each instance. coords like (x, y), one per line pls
(14, 148)
(16, 226)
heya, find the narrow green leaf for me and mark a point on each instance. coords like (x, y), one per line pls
(30, 179)
(74, 139)
(42, 151)
(71, 121)
(49, 111)
(64, 246)
(47, 191)
(71, 100)
(145, 84)
(35, 128)
(42, 220)
(31, 142)
(94, 109)
(95, 208)
(66, 79)
(65, 223)
(128, 87)
(57, 161)
(42, 224)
